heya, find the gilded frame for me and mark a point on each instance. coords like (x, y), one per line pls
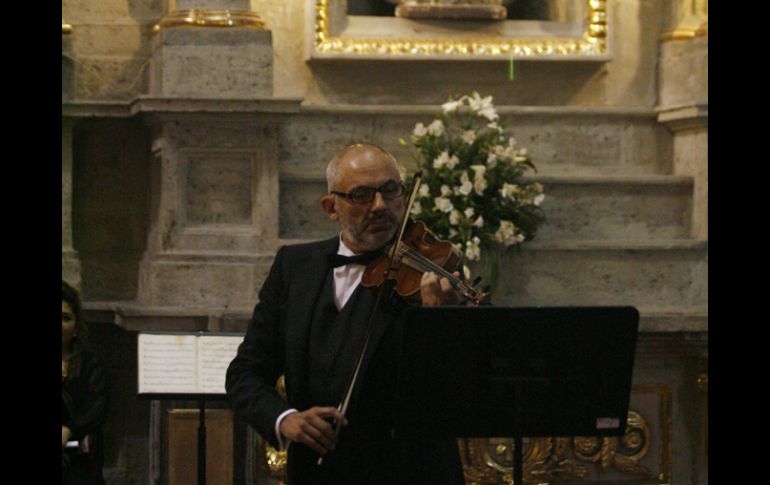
(592, 44)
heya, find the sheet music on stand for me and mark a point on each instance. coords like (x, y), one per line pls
(184, 363)
(186, 366)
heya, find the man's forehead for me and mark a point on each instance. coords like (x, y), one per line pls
(360, 159)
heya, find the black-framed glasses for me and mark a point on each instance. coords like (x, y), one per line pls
(363, 194)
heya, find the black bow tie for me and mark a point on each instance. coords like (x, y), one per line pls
(363, 258)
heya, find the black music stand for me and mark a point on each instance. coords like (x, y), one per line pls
(162, 393)
(497, 371)
(201, 398)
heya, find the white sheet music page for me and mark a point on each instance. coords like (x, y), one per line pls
(215, 352)
(167, 363)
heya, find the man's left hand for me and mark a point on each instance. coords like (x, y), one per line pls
(436, 290)
(65, 435)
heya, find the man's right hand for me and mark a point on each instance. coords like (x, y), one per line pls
(311, 428)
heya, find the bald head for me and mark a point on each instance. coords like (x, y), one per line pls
(350, 157)
(364, 225)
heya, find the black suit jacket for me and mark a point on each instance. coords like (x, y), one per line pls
(276, 343)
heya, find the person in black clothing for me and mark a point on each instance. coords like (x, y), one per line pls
(309, 325)
(84, 398)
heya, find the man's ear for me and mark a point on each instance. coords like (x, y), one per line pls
(328, 204)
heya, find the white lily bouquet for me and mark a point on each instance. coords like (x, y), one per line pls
(472, 192)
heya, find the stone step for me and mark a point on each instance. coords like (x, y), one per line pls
(653, 274)
(658, 274)
(560, 140)
(621, 207)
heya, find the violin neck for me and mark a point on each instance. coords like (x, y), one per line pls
(417, 261)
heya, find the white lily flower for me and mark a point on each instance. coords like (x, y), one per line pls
(443, 204)
(489, 113)
(491, 160)
(466, 186)
(436, 128)
(479, 222)
(441, 160)
(479, 181)
(473, 250)
(483, 106)
(506, 234)
(419, 130)
(451, 106)
(445, 191)
(509, 191)
(477, 103)
(538, 199)
(454, 217)
(469, 212)
(479, 170)
(520, 155)
(424, 191)
(416, 208)
(469, 137)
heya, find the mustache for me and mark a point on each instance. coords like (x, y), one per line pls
(382, 216)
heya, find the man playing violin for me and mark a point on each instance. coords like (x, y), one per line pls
(310, 324)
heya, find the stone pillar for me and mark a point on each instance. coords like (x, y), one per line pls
(212, 49)
(214, 223)
(689, 124)
(70, 262)
(214, 176)
(683, 99)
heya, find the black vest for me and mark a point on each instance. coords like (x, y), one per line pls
(366, 453)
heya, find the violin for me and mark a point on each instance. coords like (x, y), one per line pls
(416, 250)
(419, 251)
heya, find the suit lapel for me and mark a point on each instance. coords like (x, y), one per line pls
(305, 288)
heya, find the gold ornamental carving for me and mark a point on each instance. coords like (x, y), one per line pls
(451, 9)
(276, 459)
(201, 17)
(592, 43)
(692, 21)
(489, 461)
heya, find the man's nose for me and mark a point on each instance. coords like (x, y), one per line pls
(378, 202)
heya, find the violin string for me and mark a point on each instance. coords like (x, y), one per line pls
(426, 264)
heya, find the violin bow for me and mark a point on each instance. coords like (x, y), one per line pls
(345, 401)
